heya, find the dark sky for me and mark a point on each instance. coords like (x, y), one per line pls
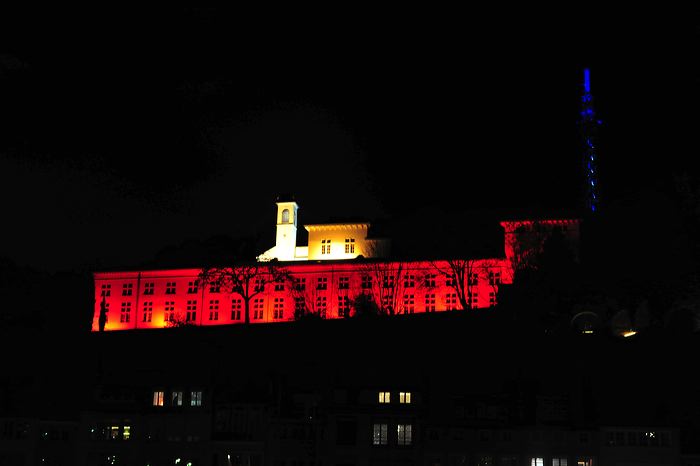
(123, 132)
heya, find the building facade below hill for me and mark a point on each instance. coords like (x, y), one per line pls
(323, 279)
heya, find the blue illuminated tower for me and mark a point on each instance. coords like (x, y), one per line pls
(589, 130)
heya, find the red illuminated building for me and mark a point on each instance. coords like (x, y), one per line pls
(324, 279)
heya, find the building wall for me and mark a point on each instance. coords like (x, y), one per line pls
(399, 287)
(327, 242)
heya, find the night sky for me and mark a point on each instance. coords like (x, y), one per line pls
(124, 132)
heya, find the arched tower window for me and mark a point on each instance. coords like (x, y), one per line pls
(285, 216)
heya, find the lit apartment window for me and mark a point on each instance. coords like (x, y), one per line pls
(343, 306)
(126, 432)
(192, 287)
(584, 462)
(114, 433)
(349, 245)
(473, 279)
(559, 462)
(213, 309)
(450, 301)
(147, 311)
(321, 306)
(278, 308)
(405, 397)
(279, 286)
(169, 314)
(258, 305)
(106, 290)
(176, 399)
(409, 304)
(366, 282)
(536, 461)
(343, 283)
(388, 281)
(403, 434)
(473, 299)
(322, 283)
(196, 398)
(409, 281)
(125, 315)
(191, 315)
(384, 397)
(325, 246)
(148, 288)
(379, 436)
(299, 284)
(127, 289)
(170, 288)
(430, 302)
(236, 306)
(158, 397)
(449, 280)
(215, 287)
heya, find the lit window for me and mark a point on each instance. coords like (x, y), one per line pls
(408, 304)
(430, 302)
(409, 281)
(114, 433)
(385, 397)
(147, 311)
(322, 283)
(127, 289)
(191, 315)
(536, 461)
(236, 305)
(321, 306)
(213, 309)
(158, 398)
(559, 462)
(343, 306)
(366, 282)
(196, 399)
(430, 281)
(403, 432)
(192, 287)
(125, 314)
(349, 245)
(176, 399)
(450, 301)
(148, 288)
(325, 246)
(379, 436)
(169, 315)
(405, 397)
(584, 462)
(278, 310)
(170, 288)
(126, 432)
(343, 283)
(106, 290)
(258, 305)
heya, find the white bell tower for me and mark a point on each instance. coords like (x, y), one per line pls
(285, 246)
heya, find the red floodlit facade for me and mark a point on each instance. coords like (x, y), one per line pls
(327, 288)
